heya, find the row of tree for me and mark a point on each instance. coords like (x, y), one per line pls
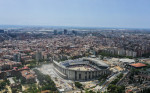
(114, 55)
(113, 88)
(117, 79)
(3, 84)
(45, 81)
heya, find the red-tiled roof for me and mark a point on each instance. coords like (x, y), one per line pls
(138, 65)
(15, 68)
(128, 91)
(25, 67)
(27, 74)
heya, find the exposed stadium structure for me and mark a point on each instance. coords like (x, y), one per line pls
(81, 69)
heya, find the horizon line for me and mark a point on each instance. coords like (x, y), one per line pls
(74, 26)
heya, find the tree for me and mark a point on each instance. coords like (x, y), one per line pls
(91, 91)
(78, 84)
(45, 81)
(116, 89)
(2, 85)
(14, 90)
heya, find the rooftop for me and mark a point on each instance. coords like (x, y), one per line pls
(82, 68)
(27, 74)
(97, 61)
(138, 65)
(126, 60)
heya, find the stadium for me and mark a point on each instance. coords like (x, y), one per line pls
(81, 69)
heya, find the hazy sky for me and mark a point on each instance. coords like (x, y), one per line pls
(92, 13)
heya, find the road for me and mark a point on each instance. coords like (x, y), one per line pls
(108, 81)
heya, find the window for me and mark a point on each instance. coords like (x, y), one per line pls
(79, 76)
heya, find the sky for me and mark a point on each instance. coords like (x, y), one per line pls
(83, 13)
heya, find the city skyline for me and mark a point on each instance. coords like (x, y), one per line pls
(76, 13)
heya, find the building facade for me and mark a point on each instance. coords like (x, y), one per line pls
(71, 74)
